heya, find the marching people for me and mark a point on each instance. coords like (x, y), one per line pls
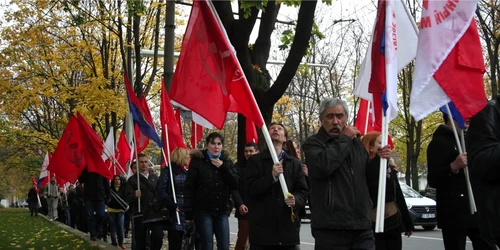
(179, 159)
(148, 183)
(273, 218)
(207, 190)
(396, 218)
(446, 173)
(483, 145)
(241, 199)
(116, 211)
(33, 201)
(336, 161)
(52, 192)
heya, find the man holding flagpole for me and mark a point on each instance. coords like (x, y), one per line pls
(336, 158)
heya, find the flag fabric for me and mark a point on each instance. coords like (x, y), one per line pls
(69, 158)
(449, 64)
(43, 179)
(169, 120)
(454, 113)
(123, 153)
(141, 116)
(92, 148)
(208, 71)
(196, 134)
(383, 80)
(109, 146)
(365, 120)
(35, 184)
(251, 131)
(407, 49)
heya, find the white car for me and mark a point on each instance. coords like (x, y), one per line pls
(422, 209)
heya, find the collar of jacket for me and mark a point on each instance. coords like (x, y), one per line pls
(266, 154)
(203, 154)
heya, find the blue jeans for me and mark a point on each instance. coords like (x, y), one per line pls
(207, 224)
(116, 225)
(95, 220)
(67, 214)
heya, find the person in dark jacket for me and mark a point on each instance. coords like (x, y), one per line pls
(446, 174)
(207, 189)
(241, 199)
(179, 159)
(116, 212)
(397, 217)
(483, 145)
(33, 201)
(274, 220)
(146, 193)
(95, 197)
(336, 161)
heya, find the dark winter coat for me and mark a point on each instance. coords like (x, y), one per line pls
(393, 192)
(270, 219)
(96, 186)
(164, 193)
(338, 188)
(148, 191)
(483, 145)
(208, 188)
(121, 192)
(240, 196)
(451, 189)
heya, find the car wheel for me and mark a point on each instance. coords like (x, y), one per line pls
(428, 228)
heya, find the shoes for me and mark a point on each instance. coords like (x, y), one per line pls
(114, 244)
(51, 220)
(56, 218)
(93, 238)
(122, 247)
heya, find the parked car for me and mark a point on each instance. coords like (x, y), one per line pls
(422, 209)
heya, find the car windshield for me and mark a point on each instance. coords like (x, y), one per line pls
(409, 192)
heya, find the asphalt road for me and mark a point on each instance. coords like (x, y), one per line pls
(431, 240)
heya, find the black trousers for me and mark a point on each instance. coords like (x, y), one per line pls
(329, 239)
(454, 239)
(175, 239)
(390, 240)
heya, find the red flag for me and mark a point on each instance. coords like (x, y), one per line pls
(141, 140)
(178, 119)
(35, 185)
(92, 147)
(168, 119)
(69, 159)
(461, 74)
(251, 132)
(196, 134)
(208, 71)
(366, 111)
(123, 152)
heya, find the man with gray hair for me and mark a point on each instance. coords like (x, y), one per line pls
(336, 158)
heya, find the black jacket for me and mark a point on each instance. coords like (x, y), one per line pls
(96, 186)
(270, 219)
(208, 188)
(393, 192)
(240, 195)
(121, 192)
(483, 145)
(338, 189)
(148, 191)
(451, 189)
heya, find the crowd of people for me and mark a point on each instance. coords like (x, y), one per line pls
(338, 179)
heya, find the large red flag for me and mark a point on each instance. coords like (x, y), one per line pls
(123, 153)
(208, 71)
(251, 132)
(92, 147)
(168, 119)
(69, 160)
(365, 122)
(196, 134)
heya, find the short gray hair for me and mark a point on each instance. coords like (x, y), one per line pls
(331, 103)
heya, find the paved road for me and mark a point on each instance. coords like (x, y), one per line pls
(420, 239)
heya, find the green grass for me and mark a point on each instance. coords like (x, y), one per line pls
(18, 230)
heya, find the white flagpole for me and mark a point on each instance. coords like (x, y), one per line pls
(461, 150)
(169, 165)
(379, 223)
(270, 145)
(368, 104)
(137, 173)
(195, 135)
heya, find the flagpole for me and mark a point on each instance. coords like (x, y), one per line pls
(137, 172)
(195, 135)
(379, 222)
(167, 159)
(368, 104)
(461, 150)
(270, 145)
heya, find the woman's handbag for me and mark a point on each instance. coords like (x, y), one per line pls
(155, 214)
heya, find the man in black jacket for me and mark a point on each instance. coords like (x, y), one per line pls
(336, 161)
(146, 195)
(240, 197)
(483, 144)
(445, 173)
(96, 195)
(274, 220)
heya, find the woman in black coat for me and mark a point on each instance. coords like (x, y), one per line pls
(397, 217)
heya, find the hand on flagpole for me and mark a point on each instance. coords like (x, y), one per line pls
(385, 152)
(277, 169)
(459, 163)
